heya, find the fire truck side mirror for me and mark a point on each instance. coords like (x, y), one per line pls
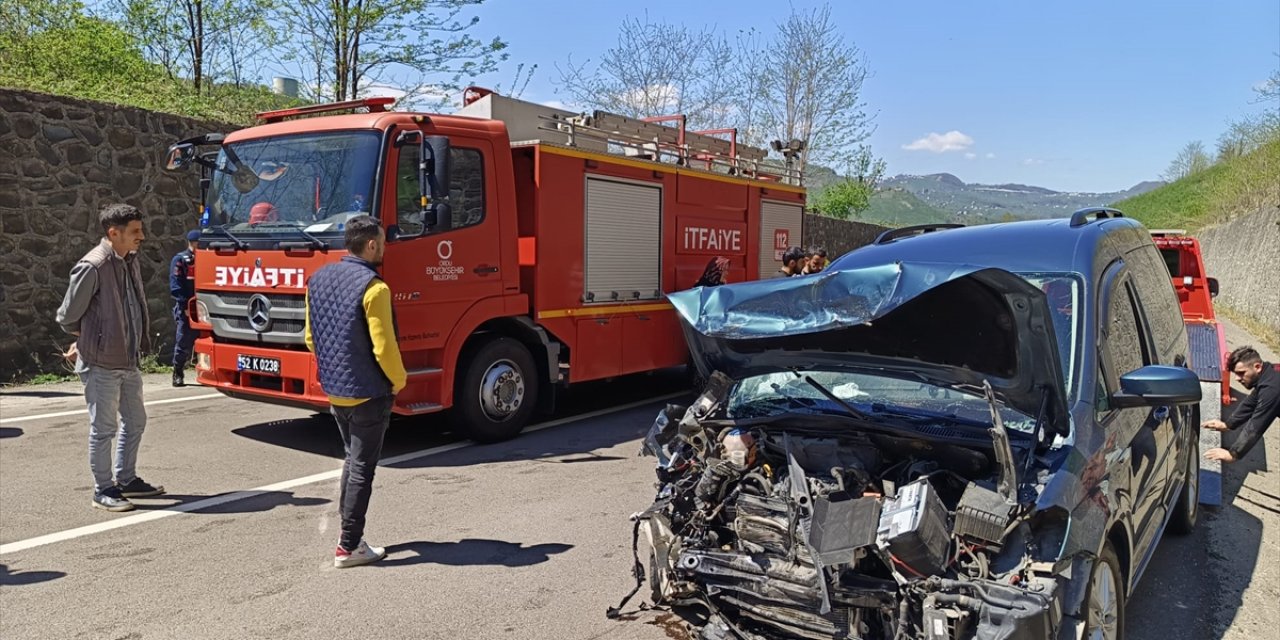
(1213, 287)
(180, 155)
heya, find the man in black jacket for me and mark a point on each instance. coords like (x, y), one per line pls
(1256, 412)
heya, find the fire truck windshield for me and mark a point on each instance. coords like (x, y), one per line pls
(274, 187)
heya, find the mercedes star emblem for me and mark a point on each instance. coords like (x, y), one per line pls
(259, 313)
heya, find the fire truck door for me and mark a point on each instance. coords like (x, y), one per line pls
(435, 277)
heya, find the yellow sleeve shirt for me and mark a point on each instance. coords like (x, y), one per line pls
(377, 313)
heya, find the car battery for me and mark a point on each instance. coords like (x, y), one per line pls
(913, 528)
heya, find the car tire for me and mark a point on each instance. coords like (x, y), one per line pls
(496, 391)
(1104, 599)
(1187, 511)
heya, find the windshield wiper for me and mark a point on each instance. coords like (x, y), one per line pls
(239, 244)
(311, 240)
(923, 415)
(853, 411)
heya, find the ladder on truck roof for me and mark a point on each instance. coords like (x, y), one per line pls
(639, 138)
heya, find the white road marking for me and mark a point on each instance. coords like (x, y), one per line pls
(76, 412)
(150, 516)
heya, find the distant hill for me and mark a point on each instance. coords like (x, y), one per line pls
(897, 207)
(977, 203)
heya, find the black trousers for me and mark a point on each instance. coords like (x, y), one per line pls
(363, 428)
(184, 337)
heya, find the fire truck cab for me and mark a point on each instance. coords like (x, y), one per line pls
(528, 247)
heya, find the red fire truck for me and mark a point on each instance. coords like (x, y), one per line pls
(528, 247)
(1196, 291)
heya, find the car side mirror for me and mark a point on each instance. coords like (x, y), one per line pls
(1157, 385)
(1213, 287)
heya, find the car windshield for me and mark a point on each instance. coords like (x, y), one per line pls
(1063, 294)
(870, 393)
(785, 391)
(311, 181)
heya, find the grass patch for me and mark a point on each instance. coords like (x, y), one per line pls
(49, 378)
(1214, 195)
(1254, 326)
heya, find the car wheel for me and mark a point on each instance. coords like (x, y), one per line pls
(1187, 510)
(1104, 615)
(496, 392)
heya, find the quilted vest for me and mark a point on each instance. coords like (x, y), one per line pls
(340, 332)
(104, 329)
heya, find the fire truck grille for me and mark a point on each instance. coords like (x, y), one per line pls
(277, 326)
(284, 301)
(234, 317)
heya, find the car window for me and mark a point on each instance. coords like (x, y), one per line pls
(1172, 261)
(1125, 345)
(466, 187)
(1158, 298)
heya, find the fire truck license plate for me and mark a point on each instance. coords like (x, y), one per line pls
(257, 364)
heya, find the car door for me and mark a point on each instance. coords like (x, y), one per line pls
(1145, 433)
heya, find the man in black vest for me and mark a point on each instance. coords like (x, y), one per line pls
(1258, 410)
(351, 329)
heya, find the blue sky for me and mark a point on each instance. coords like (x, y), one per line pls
(1073, 96)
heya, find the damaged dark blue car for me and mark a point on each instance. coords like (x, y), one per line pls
(952, 433)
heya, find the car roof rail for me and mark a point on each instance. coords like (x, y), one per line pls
(902, 232)
(1168, 232)
(1081, 217)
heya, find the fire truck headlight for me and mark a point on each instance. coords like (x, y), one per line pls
(202, 312)
(203, 362)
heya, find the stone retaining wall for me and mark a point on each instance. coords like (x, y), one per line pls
(61, 161)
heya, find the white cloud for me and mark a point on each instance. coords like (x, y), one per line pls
(991, 156)
(1031, 162)
(970, 156)
(941, 142)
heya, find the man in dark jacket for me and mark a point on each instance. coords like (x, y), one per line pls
(351, 329)
(793, 262)
(182, 286)
(1256, 412)
(105, 307)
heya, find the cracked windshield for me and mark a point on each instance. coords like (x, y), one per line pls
(315, 182)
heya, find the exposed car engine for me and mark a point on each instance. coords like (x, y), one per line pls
(789, 528)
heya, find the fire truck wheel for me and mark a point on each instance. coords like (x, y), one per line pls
(496, 392)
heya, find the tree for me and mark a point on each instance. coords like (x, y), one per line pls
(802, 88)
(419, 48)
(657, 68)
(851, 194)
(200, 41)
(812, 90)
(1190, 161)
(54, 42)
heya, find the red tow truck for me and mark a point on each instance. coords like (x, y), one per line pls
(528, 247)
(1196, 291)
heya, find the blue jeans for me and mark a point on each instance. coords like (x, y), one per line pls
(116, 411)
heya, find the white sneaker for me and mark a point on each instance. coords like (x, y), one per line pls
(363, 554)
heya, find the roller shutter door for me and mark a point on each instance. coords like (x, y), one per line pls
(775, 218)
(624, 241)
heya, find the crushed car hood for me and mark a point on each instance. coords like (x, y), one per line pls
(952, 325)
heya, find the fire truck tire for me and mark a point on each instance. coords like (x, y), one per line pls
(496, 392)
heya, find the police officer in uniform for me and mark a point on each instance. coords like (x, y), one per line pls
(182, 285)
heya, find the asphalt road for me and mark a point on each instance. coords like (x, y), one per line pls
(524, 539)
